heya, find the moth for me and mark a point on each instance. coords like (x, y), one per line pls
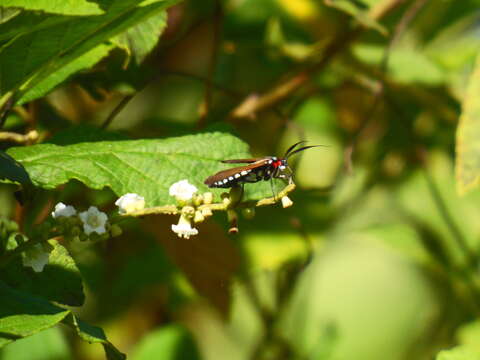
(257, 169)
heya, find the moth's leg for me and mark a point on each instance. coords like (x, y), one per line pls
(273, 192)
(289, 175)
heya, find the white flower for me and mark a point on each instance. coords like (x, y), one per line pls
(63, 210)
(36, 257)
(286, 202)
(130, 202)
(182, 190)
(184, 228)
(93, 220)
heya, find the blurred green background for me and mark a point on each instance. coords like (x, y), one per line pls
(378, 256)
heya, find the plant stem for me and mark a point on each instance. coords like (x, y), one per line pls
(222, 206)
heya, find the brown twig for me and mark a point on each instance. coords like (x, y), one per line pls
(27, 138)
(120, 106)
(379, 91)
(217, 29)
(5, 109)
(279, 92)
(213, 85)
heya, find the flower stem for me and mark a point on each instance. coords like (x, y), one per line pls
(221, 206)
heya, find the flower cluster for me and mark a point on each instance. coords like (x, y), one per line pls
(187, 197)
(69, 223)
(93, 220)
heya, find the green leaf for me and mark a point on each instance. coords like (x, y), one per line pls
(467, 164)
(457, 45)
(60, 280)
(93, 334)
(8, 14)
(82, 62)
(359, 10)
(12, 171)
(458, 353)
(46, 345)
(23, 315)
(139, 40)
(364, 268)
(30, 58)
(168, 343)
(28, 22)
(406, 64)
(83, 133)
(144, 167)
(469, 334)
(65, 7)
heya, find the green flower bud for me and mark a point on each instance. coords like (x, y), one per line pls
(248, 213)
(116, 230)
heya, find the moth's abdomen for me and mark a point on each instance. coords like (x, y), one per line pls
(229, 178)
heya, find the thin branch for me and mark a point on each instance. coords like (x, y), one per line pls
(248, 107)
(216, 40)
(124, 102)
(400, 28)
(120, 106)
(449, 221)
(27, 138)
(5, 109)
(221, 206)
(456, 233)
(226, 91)
(379, 91)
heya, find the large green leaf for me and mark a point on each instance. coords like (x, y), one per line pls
(28, 22)
(30, 58)
(65, 7)
(364, 268)
(7, 14)
(139, 40)
(168, 343)
(469, 334)
(145, 167)
(60, 280)
(468, 135)
(406, 64)
(458, 353)
(82, 62)
(22, 315)
(93, 334)
(359, 10)
(46, 345)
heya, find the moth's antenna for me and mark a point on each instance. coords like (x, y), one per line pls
(293, 147)
(304, 148)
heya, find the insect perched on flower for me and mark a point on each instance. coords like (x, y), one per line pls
(266, 168)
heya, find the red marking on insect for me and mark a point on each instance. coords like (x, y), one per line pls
(258, 169)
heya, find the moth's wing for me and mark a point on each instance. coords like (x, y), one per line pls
(241, 161)
(224, 174)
